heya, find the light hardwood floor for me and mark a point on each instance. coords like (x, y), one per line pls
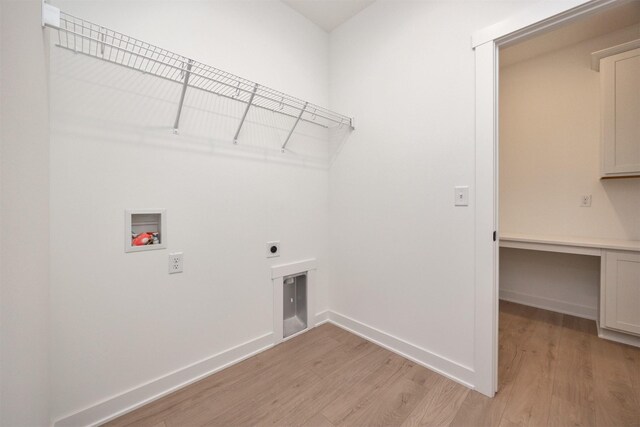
(554, 370)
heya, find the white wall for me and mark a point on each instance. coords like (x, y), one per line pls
(550, 148)
(402, 257)
(118, 319)
(401, 254)
(24, 214)
(565, 283)
(549, 157)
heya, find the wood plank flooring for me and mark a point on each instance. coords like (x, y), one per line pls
(553, 370)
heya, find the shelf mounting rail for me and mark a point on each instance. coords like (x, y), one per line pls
(81, 36)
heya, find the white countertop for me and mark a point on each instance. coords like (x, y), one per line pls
(582, 242)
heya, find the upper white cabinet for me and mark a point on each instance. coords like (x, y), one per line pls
(620, 291)
(620, 101)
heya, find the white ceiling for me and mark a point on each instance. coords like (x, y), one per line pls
(328, 14)
(616, 18)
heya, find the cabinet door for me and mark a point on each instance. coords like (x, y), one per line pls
(621, 291)
(620, 79)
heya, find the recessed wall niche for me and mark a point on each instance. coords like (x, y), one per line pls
(145, 229)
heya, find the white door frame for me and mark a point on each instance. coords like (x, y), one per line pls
(486, 42)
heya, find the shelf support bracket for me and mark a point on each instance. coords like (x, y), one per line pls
(246, 111)
(187, 73)
(50, 15)
(286, 141)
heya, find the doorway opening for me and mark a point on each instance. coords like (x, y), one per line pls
(541, 19)
(556, 210)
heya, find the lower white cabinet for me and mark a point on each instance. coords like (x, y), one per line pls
(620, 291)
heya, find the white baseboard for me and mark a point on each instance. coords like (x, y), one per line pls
(322, 317)
(563, 307)
(590, 313)
(620, 337)
(129, 400)
(155, 389)
(448, 368)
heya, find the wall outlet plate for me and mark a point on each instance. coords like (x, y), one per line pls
(273, 249)
(461, 196)
(175, 262)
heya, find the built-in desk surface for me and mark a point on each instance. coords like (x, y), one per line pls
(571, 245)
(609, 251)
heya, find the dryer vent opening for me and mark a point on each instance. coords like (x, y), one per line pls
(294, 304)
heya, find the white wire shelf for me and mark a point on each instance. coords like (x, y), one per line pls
(82, 36)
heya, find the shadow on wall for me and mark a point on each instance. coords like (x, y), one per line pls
(624, 195)
(119, 105)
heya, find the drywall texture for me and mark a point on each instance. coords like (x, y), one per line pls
(119, 319)
(24, 217)
(402, 258)
(550, 148)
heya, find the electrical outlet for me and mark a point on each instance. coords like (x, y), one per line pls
(175, 262)
(273, 249)
(585, 201)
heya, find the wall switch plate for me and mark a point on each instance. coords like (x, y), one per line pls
(585, 201)
(273, 249)
(175, 262)
(462, 196)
